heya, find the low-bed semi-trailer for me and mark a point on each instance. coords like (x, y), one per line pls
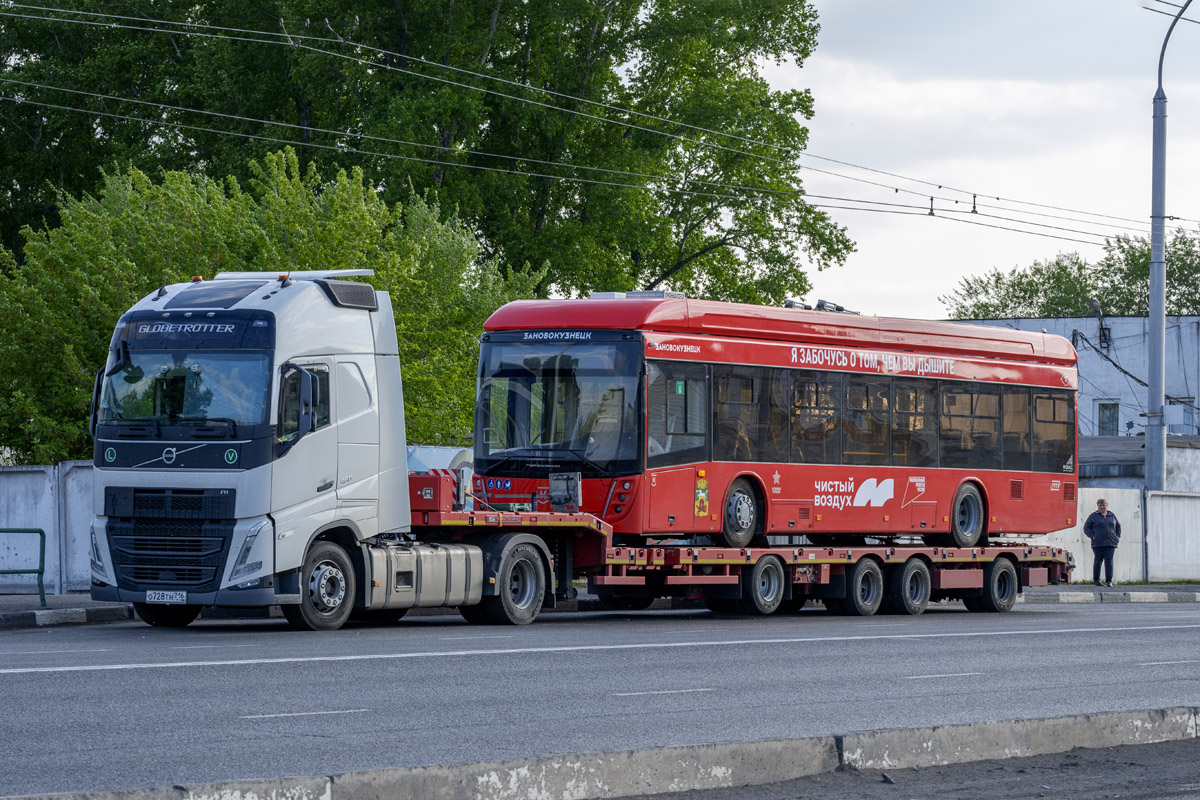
(250, 451)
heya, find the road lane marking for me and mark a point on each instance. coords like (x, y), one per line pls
(459, 638)
(55, 652)
(587, 648)
(304, 714)
(944, 675)
(662, 691)
(1162, 663)
(209, 646)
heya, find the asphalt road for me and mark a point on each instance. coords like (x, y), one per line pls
(122, 706)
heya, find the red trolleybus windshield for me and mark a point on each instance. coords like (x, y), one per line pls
(548, 407)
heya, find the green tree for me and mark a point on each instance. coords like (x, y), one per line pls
(58, 307)
(673, 206)
(1065, 286)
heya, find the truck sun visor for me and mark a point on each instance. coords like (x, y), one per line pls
(218, 294)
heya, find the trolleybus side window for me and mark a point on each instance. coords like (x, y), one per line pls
(816, 418)
(970, 432)
(738, 428)
(1053, 431)
(1017, 455)
(867, 422)
(915, 424)
(677, 413)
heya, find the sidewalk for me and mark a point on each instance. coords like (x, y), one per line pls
(77, 608)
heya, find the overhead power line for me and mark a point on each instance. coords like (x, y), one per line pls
(291, 39)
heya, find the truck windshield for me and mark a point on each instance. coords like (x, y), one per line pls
(185, 388)
(558, 408)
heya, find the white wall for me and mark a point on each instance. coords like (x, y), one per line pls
(1173, 536)
(58, 500)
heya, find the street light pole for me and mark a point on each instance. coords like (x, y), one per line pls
(1156, 431)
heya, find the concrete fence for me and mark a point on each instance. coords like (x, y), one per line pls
(1160, 531)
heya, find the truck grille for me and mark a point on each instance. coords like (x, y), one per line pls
(169, 537)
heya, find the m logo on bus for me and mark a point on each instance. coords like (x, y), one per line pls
(871, 493)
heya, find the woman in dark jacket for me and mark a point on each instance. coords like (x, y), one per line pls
(1104, 530)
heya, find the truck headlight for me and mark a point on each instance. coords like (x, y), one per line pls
(242, 567)
(98, 568)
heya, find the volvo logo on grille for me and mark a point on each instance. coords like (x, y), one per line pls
(168, 455)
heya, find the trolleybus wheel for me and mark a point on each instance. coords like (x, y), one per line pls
(521, 583)
(763, 586)
(999, 586)
(166, 616)
(378, 616)
(741, 514)
(908, 587)
(327, 588)
(864, 589)
(966, 517)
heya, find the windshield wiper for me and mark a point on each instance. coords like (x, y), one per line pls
(137, 421)
(207, 421)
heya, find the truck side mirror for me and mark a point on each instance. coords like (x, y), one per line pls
(96, 402)
(296, 402)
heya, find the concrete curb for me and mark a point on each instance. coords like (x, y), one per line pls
(1110, 596)
(45, 617)
(589, 776)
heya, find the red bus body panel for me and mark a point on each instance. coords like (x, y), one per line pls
(686, 501)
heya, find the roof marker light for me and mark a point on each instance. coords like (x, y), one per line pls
(197, 278)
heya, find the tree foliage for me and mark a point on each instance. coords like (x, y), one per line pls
(58, 307)
(1065, 285)
(668, 205)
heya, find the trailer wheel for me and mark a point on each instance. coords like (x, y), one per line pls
(327, 588)
(763, 586)
(966, 517)
(908, 587)
(864, 589)
(166, 616)
(522, 583)
(999, 586)
(612, 601)
(741, 514)
(378, 616)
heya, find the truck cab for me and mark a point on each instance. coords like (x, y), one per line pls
(237, 422)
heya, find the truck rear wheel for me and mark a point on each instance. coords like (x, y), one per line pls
(763, 586)
(521, 582)
(864, 589)
(908, 587)
(999, 586)
(166, 616)
(327, 588)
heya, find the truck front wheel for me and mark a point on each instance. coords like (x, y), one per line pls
(166, 616)
(521, 582)
(327, 588)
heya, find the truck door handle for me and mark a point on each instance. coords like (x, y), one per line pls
(324, 486)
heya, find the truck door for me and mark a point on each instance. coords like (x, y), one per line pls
(358, 443)
(303, 477)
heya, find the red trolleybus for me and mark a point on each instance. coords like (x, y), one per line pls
(736, 425)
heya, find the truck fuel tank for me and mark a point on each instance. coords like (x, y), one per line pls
(424, 575)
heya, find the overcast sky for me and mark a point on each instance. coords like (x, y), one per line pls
(1044, 101)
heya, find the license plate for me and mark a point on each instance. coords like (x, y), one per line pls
(179, 598)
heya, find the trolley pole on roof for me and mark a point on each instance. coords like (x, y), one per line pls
(1156, 432)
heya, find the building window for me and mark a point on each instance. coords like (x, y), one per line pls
(1108, 417)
